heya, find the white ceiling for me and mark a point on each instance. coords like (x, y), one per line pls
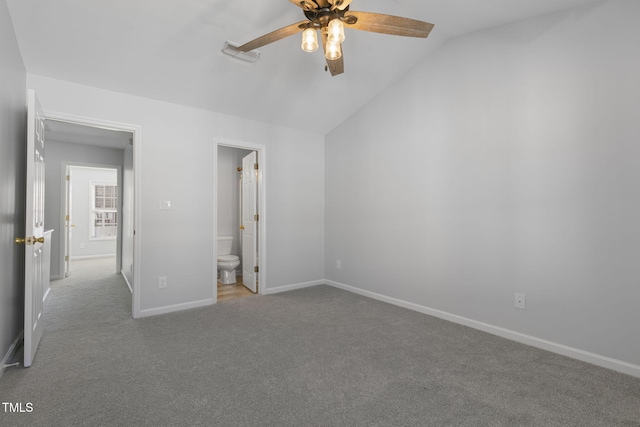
(170, 50)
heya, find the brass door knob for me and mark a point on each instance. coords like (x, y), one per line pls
(242, 227)
(29, 240)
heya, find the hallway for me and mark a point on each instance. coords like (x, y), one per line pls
(93, 292)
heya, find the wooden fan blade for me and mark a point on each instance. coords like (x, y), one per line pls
(274, 36)
(335, 66)
(388, 24)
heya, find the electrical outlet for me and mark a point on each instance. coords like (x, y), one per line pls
(520, 301)
(162, 282)
(338, 264)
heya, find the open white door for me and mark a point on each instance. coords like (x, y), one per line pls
(35, 250)
(250, 221)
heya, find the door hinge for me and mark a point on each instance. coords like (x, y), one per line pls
(255, 166)
(68, 177)
(239, 169)
(66, 257)
(256, 269)
(66, 217)
(256, 217)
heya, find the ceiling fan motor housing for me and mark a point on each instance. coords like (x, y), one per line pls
(320, 18)
(318, 4)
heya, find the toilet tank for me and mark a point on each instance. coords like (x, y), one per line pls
(224, 245)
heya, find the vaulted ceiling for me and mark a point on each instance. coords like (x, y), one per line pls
(170, 50)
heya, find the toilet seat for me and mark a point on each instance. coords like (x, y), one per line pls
(228, 258)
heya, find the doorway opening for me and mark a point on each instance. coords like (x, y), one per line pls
(92, 224)
(240, 250)
(92, 197)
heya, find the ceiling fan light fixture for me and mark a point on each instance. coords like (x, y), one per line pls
(309, 40)
(330, 17)
(336, 31)
(332, 51)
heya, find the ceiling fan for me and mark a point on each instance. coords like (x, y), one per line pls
(330, 17)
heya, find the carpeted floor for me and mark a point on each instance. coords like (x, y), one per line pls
(312, 357)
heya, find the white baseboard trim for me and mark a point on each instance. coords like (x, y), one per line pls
(10, 352)
(286, 288)
(56, 277)
(76, 258)
(127, 281)
(585, 356)
(176, 307)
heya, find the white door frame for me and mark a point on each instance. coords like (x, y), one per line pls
(262, 205)
(137, 179)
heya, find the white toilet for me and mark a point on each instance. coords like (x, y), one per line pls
(227, 263)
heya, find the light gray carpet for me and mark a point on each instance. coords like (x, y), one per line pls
(312, 357)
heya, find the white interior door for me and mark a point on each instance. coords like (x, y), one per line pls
(35, 250)
(250, 221)
(67, 222)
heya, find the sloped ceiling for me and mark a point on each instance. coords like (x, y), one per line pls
(170, 50)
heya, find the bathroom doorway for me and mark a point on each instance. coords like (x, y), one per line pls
(239, 204)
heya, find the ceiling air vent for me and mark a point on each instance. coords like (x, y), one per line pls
(232, 50)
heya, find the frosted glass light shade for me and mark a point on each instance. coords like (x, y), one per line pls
(332, 51)
(309, 40)
(336, 31)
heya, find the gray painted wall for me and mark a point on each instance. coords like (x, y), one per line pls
(13, 125)
(507, 162)
(177, 151)
(57, 153)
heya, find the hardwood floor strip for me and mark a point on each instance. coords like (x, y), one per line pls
(237, 290)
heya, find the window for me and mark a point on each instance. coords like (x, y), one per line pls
(104, 215)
